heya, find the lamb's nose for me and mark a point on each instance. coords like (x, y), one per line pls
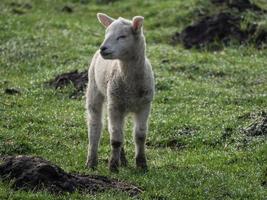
(103, 48)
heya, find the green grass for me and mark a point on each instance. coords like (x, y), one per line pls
(201, 92)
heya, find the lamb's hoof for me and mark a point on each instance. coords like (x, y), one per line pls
(114, 165)
(141, 163)
(91, 163)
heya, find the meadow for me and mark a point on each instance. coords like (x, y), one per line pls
(197, 147)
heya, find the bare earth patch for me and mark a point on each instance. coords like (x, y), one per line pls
(258, 127)
(78, 79)
(223, 27)
(12, 91)
(35, 173)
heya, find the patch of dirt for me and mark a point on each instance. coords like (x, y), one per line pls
(12, 91)
(220, 27)
(258, 127)
(223, 27)
(35, 173)
(78, 79)
(67, 9)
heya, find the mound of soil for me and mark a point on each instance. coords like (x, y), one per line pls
(78, 79)
(12, 91)
(258, 127)
(220, 27)
(67, 9)
(35, 173)
(223, 27)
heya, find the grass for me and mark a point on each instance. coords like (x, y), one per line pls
(196, 149)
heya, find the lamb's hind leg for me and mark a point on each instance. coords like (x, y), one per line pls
(94, 106)
(115, 126)
(140, 131)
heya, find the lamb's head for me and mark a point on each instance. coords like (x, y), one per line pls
(123, 37)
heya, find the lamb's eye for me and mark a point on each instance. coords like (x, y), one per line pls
(121, 37)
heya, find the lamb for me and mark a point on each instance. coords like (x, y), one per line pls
(121, 75)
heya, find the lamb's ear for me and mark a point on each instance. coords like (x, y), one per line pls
(104, 19)
(137, 23)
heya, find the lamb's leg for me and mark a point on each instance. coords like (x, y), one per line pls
(140, 130)
(94, 106)
(115, 126)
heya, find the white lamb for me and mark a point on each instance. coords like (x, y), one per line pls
(121, 74)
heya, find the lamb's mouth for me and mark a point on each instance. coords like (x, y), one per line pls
(106, 54)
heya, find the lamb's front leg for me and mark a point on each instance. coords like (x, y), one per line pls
(140, 131)
(94, 103)
(115, 127)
